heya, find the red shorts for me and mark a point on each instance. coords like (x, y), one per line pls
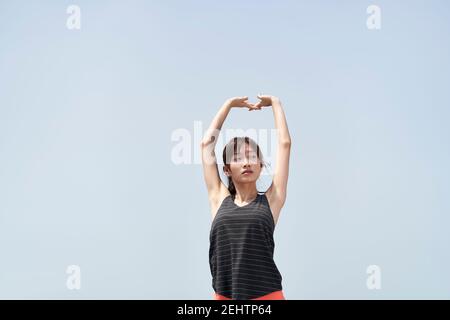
(276, 295)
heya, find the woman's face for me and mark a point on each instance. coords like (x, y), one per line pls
(245, 166)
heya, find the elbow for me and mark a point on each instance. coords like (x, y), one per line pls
(204, 143)
(207, 141)
(285, 143)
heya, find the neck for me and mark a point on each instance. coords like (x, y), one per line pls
(245, 192)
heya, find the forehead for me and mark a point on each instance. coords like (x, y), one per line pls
(246, 148)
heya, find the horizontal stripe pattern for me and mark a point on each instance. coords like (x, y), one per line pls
(241, 250)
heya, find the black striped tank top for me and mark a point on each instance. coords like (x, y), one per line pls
(241, 250)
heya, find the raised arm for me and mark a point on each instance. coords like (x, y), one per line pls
(278, 190)
(214, 185)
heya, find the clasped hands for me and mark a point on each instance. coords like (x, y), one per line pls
(242, 102)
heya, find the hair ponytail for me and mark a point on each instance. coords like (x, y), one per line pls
(231, 187)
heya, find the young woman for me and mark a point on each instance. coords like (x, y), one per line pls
(243, 221)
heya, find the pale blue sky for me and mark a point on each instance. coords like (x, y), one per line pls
(86, 118)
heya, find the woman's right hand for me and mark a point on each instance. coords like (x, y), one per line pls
(241, 102)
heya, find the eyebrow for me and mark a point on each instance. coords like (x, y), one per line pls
(250, 153)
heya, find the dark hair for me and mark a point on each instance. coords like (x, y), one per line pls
(232, 148)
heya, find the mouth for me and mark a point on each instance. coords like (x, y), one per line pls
(247, 172)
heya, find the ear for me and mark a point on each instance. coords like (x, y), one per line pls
(225, 170)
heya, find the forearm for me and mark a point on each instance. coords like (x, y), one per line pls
(280, 122)
(213, 131)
